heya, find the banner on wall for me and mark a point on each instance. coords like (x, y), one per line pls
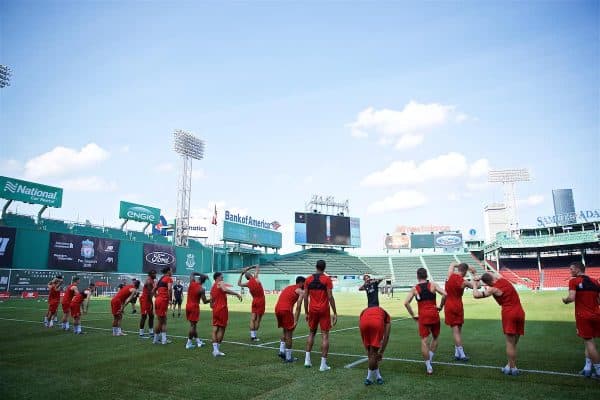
(82, 253)
(157, 257)
(7, 246)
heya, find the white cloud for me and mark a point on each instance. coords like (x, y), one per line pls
(477, 186)
(89, 184)
(404, 127)
(164, 167)
(63, 159)
(532, 200)
(403, 200)
(453, 197)
(461, 117)
(124, 149)
(409, 141)
(479, 168)
(10, 167)
(198, 174)
(408, 172)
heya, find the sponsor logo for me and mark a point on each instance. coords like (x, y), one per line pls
(87, 249)
(160, 258)
(30, 191)
(3, 245)
(109, 260)
(190, 262)
(109, 248)
(448, 240)
(141, 213)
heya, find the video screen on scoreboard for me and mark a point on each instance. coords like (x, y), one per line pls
(333, 230)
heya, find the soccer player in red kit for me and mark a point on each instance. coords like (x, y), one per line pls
(147, 305)
(318, 297)
(454, 315)
(513, 315)
(220, 312)
(76, 308)
(118, 303)
(258, 299)
(196, 293)
(53, 300)
(585, 292)
(429, 316)
(375, 326)
(287, 318)
(70, 292)
(163, 292)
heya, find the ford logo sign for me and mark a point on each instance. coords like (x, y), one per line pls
(160, 258)
(448, 240)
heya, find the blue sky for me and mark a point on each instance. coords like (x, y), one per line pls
(399, 107)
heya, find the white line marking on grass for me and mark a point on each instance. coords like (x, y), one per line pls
(352, 364)
(331, 331)
(406, 360)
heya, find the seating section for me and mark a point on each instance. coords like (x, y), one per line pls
(438, 266)
(380, 265)
(405, 270)
(471, 261)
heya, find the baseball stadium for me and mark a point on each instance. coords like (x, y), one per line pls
(321, 200)
(36, 249)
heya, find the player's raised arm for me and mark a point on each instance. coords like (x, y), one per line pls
(451, 268)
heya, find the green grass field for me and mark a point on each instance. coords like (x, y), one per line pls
(39, 363)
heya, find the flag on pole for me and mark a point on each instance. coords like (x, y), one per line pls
(214, 218)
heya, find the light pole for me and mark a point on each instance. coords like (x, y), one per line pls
(190, 148)
(5, 74)
(508, 178)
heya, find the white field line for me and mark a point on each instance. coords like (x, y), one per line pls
(406, 360)
(355, 363)
(331, 331)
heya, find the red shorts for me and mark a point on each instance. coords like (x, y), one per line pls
(66, 308)
(53, 307)
(285, 319)
(258, 306)
(587, 328)
(320, 318)
(146, 307)
(75, 310)
(161, 307)
(220, 317)
(426, 329)
(115, 306)
(513, 323)
(371, 331)
(192, 313)
(454, 316)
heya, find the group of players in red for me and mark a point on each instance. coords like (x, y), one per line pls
(316, 294)
(73, 302)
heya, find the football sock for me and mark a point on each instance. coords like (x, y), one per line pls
(307, 358)
(253, 334)
(431, 354)
(164, 337)
(155, 340)
(151, 331)
(323, 362)
(597, 368)
(198, 341)
(428, 364)
(189, 342)
(377, 374)
(456, 352)
(141, 332)
(281, 347)
(461, 352)
(588, 363)
(215, 347)
(66, 326)
(370, 374)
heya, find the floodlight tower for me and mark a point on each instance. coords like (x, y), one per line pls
(5, 74)
(190, 148)
(508, 178)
